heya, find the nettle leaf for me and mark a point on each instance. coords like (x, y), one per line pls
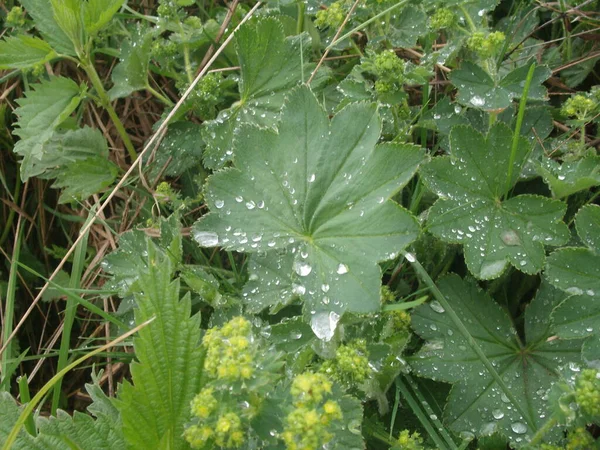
(471, 184)
(22, 52)
(81, 179)
(80, 431)
(131, 74)
(270, 64)
(570, 176)
(168, 371)
(43, 17)
(97, 14)
(40, 112)
(577, 270)
(476, 88)
(477, 404)
(320, 191)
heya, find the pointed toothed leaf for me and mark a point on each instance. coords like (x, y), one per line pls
(45, 22)
(320, 190)
(577, 270)
(570, 177)
(22, 52)
(81, 179)
(477, 89)
(270, 64)
(477, 404)
(471, 183)
(131, 74)
(168, 371)
(97, 14)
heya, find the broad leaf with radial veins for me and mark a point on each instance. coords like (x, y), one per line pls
(318, 190)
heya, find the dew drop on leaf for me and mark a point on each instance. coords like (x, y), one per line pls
(219, 204)
(302, 268)
(435, 305)
(206, 238)
(519, 427)
(510, 237)
(324, 324)
(342, 269)
(498, 414)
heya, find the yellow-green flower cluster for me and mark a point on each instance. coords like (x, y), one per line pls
(580, 107)
(401, 321)
(229, 355)
(15, 17)
(226, 432)
(351, 363)
(390, 72)
(580, 439)
(408, 441)
(442, 18)
(331, 17)
(587, 392)
(307, 426)
(485, 46)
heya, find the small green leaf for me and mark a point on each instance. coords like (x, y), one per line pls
(68, 16)
(407, 26)
(131, 74)
(477, 89)
(97, 14)
(43, 18)
(319, 190)
(471, 183)
(577, 270)
(570, 176)
(40, 112)
(22, 52)
(168, 371)
(476, 403)
(270, 64)
(81, 179)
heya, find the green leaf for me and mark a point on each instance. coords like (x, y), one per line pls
(168, 371)
(43, 17)
(270, 64)
(131, 74)
(22, 52)
(81, 179)
(471, 183)
(577, 270)
(319, 190)
(40, 112)
(179, 150)
(68, 16)
(570, 176)
(97, 14)
(80, 431)
(126, 262)
(64, 149)
(477, 89)
(407, 26)
(476, 403)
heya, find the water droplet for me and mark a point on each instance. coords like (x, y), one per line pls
(519, 427)
(250, 204)
(477, 101)
(342, 269)
(324, 324)
(298, 289)
(312, 178)
(410, 257)
(206, 238)
(510, 237)
(325, 287)
(302, 268)
(498, 414)
(219, 204)
(435, 305)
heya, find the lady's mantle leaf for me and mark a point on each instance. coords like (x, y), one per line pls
(570, 176)
(319, 191)
(471, 183)
(477, 89)
(577, 270)
(270, 64)
(476, 403)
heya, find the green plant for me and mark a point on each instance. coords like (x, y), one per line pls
(360, 225)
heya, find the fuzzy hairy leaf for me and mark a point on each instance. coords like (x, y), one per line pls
(477, 403)
(168, 371)
(22, 52)
(570, 177)
(97, 14)
(270, 64)
(80, 431)
(471, 184)
(577, 270)
(477, 89)
(81, 179)
(43, 109)
(131, 74)
(319, 190)
(43, 17)
(407, 26)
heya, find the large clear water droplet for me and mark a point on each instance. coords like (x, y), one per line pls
(206, 238)
(342, 269)
(302, 268)
(519, 427)
(324, 324)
